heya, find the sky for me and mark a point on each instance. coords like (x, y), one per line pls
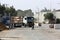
(32, 4)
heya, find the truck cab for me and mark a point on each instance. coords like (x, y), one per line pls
(30, 21)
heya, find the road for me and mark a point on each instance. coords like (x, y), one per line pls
(39, 33)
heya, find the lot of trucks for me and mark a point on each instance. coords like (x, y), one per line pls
(16, 21)
(19, 22)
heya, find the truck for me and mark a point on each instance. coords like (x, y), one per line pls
(16, 21)
(30, 21)
(4, 22)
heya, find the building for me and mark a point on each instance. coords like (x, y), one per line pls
(40, 15)
(56, 13)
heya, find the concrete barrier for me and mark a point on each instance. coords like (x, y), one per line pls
(56, 26)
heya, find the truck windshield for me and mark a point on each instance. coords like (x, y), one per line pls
(29, 19)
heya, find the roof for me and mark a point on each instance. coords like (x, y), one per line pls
(56, 10)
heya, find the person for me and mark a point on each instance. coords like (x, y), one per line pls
(32, 26)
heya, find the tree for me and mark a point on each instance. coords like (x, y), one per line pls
(28, 12)
(13, 11)
(2, 9)
(25, 12)
(10, 10)
(7, 11)
(49, 17)
(35, 19)
(20, 13)
(57, 20)
(45, 10)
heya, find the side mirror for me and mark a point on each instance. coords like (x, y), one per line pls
(25, 18)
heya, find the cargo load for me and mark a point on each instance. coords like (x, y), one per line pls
(17, 21)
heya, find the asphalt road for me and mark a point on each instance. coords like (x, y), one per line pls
(39, 33)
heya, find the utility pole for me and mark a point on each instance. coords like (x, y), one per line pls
(38, 14)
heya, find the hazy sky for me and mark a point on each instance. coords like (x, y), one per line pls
(32, 4)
